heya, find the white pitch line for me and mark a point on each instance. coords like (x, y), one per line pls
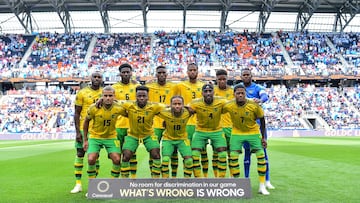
(36, 145)
(320, 141)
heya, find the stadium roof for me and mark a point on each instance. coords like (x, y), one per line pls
(345, 9)
(324, 6)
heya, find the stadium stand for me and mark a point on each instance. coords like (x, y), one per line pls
(312, 77)
(63, 55)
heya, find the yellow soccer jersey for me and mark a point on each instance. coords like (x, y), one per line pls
(141, 119)
(160, 94)
(175, 126)
(85, 98)
(104, 121)
(189, 91)
(244, 117)
(208, 115)
(124, 92)
(228, 94)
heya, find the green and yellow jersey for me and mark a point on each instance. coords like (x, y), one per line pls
(103, 121)
(208, 115)
(228, 94)
(85, 98)
(141, 119)
(244, 117)
(189, 91)
(160, 94)
(175, 126)
(124, 92)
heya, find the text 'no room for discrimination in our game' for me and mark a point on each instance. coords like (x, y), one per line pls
(169, 188)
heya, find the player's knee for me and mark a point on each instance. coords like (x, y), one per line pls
(92, 159)
(80, 152)
(115, 159)
(126, 156)
(155, 153)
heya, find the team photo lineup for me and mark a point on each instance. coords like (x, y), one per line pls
(172, 119)
(206, 101)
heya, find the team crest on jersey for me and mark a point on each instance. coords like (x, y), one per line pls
(215, 109)
(131, 90)
(113, 116)
(247, 113)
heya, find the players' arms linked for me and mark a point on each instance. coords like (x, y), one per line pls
(99, 103)
(191, 111)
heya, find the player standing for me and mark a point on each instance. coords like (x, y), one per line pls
(244, 113)
(175, 136)
(125, 90)
(161, 91)
(223, 90)
(141, 114)
(190, 90)
(103, 132)
(208, 111)
(84, 98)
(258, 94)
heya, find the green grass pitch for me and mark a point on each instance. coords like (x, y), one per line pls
(324, 169)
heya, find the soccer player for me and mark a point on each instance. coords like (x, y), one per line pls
(125, 90)
(141, 114)
(208, 111)
(244, 113)
(258, 94)
(175, 136)
(103, 132)
(190, 90)
(222, 89)
(161, 91)
(84, 98)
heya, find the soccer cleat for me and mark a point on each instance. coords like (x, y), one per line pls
(262, 190)
(86, 194)
(76, 189)
(269, 186)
